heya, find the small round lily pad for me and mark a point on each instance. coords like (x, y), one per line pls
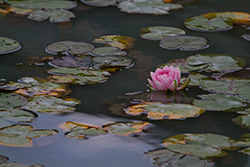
(8, 45)
(184, 43)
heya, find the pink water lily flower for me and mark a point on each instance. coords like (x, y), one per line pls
(167, 78)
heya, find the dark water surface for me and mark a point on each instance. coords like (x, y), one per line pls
(114, 150)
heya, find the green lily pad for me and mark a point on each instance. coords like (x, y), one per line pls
(158, 110)
(217, 102)
(54, 15)
(42, 87)
(17, 115)
(184, 43)
(42, 4)
(147, 6)
(80, 130)
(82, 62)
(244, 141)
(11, 86)
(246, 36)
(167, 158)
(160, 32)
(8, 45)
(108, 51)
(126, 128)
(201, 23)
(69, 47)
(119, 41)
(243, 121)
(201, 145)
(4, 123)
(11, 100)
(51, 105)
(100, 3)
(246, 151)
(195, 79)
(21, 135)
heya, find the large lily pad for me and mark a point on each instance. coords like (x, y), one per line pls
(54, 15)
(51, 105)
(201, 145)
(11, 100)
(108, 51)
(120, 41)
(126, 128)
(100, 3)
(69, 47)
(21, 135)
(160, 32)
(201, 23)
(82, 62)
(217, 102)
(168, 158)
(147, 6)
(8, 45)
(42, 4)
(17, 115)
(184, 43)
(158, 110)
(80, 130)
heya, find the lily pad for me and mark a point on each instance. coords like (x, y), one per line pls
(246, 151)
(80, 131)
(201, 23)
(21, 135)
(11, 86)
(195, 79)
(244, 141)
(69, 47)
(243, 121)
(16, 164)
(11, 100)
(82, 62)
(184, 43)
(54, 15)
(17, 115)
(108, 51)
(8, 45)
(119, 41)
(42, 4)
(201, 145)
(51, 105)
(217, 102)
(147, 6)
(100, 3)
(168, 158)
(160, 32)
(246, 36)
(42, 87)
(126, 128)
(158, 110)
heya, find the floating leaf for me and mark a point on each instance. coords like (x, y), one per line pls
(16, 164)
(119, 41)
(3, 159)
(108, 51)
(54, 15)
(184, 43)
(21, 135)
(82, 62)
(21, 11)
(100, 3)
(4, 123)
(69, 47)
(158, 110)
(79, 130)
(242, 120)
(42, 4)
(17, 115)
(11, 86)
(51, 105)
(201, 145)
(244, 141)
(246, 151)
(160, 32)
(246, 36)
(201, 23)
(8, 45)
(195, 79)
(217, 102)
(11, 100)
(126, 128)
(147, 6)
(168, 158)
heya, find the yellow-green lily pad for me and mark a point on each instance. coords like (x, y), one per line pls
(8, 45)
(11, 100)
(159, 110)
(201, 145)
(21, 135)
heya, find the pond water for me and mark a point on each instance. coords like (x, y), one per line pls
(114, 150)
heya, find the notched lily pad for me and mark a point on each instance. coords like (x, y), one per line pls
(21, 135)
(160, 32)
(8, 45)
(11, 100)
(69, 47)
(165, 157)
(184, 43)
(158, 110)
(17, 115)
(108, 51)
(54, 15)
(80, 130)
(201, 145)
(126, 128)
(217, 102)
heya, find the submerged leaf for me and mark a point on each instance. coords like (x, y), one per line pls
(8, 45)
(11, 100)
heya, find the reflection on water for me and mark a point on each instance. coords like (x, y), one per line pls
(113, 150)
